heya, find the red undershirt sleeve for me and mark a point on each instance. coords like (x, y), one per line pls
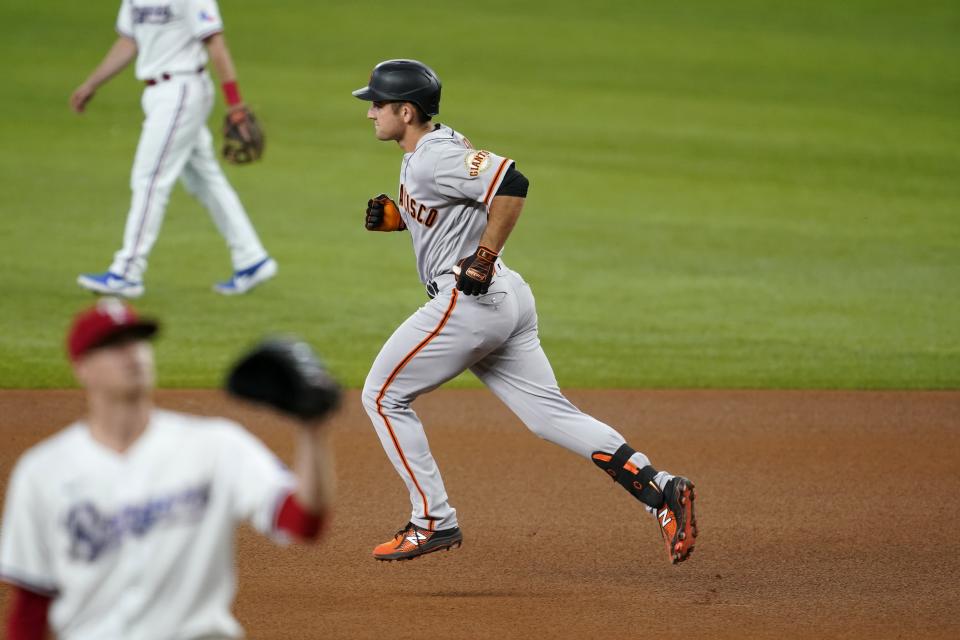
(294, 519)
(27, 618)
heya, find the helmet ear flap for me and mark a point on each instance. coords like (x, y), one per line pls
(432, 108)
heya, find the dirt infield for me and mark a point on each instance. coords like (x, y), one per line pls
(822, 514)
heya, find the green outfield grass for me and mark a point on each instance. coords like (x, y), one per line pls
(736, 194)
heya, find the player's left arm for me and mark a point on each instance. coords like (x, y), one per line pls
(226, 71)
(286, 506)
(287, 376)
(243, 136)
(503, 216)
(305, 513)
(476, 271)
(314, 469)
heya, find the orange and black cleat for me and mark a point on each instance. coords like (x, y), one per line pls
(413, 541)
(678, 524)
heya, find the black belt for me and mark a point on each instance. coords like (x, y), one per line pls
(163, 77)
(432, 288)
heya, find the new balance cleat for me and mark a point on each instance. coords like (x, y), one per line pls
(110, 284)
(412, 542)
(678, 524)
(246, 279)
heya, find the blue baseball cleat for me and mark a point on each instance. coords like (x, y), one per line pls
(246, 279)
(110, 284)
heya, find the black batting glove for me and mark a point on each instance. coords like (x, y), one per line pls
(476, 271)
(375, 212)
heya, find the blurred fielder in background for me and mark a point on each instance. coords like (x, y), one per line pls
(121, 526)
(171, 42)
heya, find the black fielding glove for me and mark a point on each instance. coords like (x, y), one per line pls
(476, 271)
(285, 374)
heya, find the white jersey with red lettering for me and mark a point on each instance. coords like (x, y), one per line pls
(169, 34)
(139, 545)
(446, 190)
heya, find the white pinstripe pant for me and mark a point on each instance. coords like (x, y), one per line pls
(175, 143)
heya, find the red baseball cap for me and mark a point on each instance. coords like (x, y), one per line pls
(108, 320)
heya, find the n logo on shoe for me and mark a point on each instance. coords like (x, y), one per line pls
(416, 538)
(664, 517)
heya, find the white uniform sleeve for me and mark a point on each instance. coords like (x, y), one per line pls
(473, 174)
(124, 24)
(258, 481)
(203, 16)
(25, 558)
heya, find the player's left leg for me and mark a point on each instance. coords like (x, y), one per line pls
(435, 344)
(204, 178)
(520, 374)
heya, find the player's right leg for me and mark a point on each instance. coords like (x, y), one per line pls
(520, 374)
(174, 111)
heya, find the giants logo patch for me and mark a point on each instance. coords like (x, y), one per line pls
(477, 162)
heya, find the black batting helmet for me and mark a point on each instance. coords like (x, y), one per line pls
(403, 81)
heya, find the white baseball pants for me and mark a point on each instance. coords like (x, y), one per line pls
(175, 142)
(495, 336)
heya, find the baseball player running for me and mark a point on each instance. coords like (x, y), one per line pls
(171, 40)
(459, 205)
(121, 526)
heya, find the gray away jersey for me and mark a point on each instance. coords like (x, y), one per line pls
(446, 187)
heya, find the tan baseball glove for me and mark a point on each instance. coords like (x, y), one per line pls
(243, 139)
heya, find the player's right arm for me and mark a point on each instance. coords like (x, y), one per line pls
(27, 616)
(383, 215)
(122, 53)
(25, 560)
